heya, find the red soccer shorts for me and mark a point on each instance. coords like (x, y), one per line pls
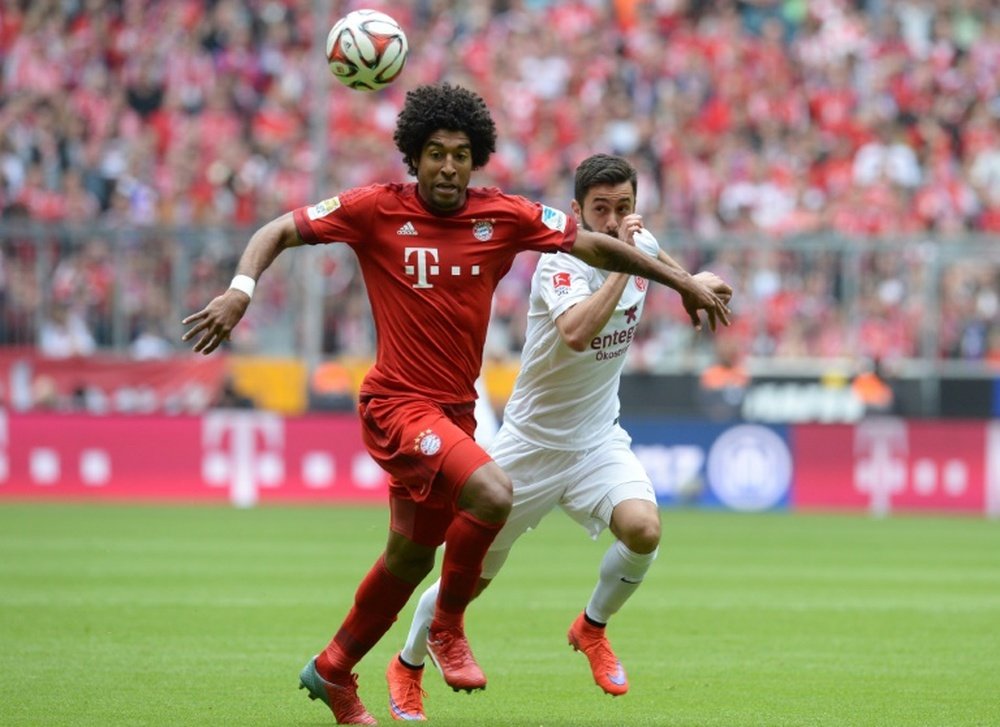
(429, 452)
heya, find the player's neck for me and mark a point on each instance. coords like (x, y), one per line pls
(441, 212)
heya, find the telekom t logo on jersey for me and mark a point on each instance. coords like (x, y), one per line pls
(423, 263)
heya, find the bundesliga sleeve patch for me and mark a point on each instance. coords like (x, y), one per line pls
(553, 219)
(561, 283)
(322, 209)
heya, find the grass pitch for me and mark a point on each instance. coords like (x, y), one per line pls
(129, 615)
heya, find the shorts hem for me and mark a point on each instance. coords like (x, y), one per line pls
(636, 490)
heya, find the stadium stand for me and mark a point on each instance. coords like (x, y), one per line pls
(764, 121)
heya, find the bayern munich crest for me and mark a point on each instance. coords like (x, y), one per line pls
(427, 442)
(482, 230)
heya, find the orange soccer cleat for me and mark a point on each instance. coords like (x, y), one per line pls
(341, 698)
(591, 640)
(406, 696)
(450, 652)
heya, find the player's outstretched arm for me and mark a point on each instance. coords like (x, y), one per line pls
(214, 322)
(606, 252)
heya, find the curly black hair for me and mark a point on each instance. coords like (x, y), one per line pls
(432, 108)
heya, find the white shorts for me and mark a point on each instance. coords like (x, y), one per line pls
(586, 484)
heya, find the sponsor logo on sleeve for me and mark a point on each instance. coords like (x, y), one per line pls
(322, 209)
(553, 219)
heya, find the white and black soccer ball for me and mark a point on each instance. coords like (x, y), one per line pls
(366, 50)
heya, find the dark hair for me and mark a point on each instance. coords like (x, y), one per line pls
(432, 108)
(602, 169)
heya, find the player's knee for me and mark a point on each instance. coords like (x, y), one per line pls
(488, 494)
(642, 535)
(494, 500)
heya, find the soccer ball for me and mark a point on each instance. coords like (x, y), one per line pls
(366, 50)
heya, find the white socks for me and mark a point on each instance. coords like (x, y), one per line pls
(415, 650)
(621, 573)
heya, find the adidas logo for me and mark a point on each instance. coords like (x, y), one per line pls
(407, 229)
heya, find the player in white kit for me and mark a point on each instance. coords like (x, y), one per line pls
(560, 441)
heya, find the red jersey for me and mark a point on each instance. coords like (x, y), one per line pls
(430, 276)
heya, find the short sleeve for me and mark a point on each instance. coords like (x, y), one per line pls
(563, 281)
(343, 218)
(544, 228)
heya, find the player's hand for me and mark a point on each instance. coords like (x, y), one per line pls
(216, 320)
(716, 284)
(700, 297)
(627, 228)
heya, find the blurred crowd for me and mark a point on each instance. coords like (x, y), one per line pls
(760, 122)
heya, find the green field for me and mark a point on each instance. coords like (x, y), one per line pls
(125, 615)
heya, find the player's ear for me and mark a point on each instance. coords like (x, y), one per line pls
(577, 211)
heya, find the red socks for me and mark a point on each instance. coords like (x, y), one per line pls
(377, 603)
(466, 543)
(381, 596)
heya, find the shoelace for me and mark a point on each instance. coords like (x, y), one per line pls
(447, 640)
(412, 691)
(597, 647)
(348, 697)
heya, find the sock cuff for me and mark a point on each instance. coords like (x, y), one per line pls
(465, 515)
(633, 558)
(407, 665)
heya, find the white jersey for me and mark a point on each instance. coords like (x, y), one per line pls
(564, 399)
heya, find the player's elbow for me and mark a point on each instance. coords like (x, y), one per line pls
(573, 329)
(281, 233)
(575, 342)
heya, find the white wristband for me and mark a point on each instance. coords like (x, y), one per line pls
(244, 284)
